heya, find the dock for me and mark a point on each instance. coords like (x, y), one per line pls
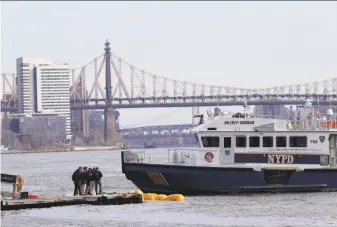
(107, 199)
(18, 199)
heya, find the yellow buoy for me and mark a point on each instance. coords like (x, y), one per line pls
(139, 192)
(160, 197)
(175, 197)
(148, 196)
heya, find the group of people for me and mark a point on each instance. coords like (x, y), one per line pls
(86, 179)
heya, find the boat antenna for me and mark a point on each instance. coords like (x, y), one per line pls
(245, 107)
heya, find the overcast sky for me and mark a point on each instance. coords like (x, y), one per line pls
(242, 44)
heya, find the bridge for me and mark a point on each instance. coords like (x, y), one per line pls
(158, 131)
(160, 135)
(138, 88)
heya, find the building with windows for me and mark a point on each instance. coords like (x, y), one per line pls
(43, 87)
(26, 85)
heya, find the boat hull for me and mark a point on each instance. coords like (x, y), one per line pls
(194, 180)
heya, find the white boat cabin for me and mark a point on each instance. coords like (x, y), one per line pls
(241, 141)
(259, 135)
(222, 137)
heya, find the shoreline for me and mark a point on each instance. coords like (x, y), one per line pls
(76, 149)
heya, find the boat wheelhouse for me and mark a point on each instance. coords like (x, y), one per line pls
(241, 140)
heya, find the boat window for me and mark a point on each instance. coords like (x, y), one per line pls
(227, 142)
(267, 141)
(254, 141)
(241, 141)
(281, 141)
(210, 141)
(297, 141)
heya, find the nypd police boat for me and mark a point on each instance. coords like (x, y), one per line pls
(241, 154)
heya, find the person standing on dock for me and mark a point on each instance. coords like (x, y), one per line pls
(76, 181)
(98, 175)
(82, 180)
(87, 181)
(91, 180)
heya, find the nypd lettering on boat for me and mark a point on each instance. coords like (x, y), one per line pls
(280, 159)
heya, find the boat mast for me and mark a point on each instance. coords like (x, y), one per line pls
(245, 108)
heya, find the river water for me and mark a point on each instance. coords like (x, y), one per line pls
(49, 174)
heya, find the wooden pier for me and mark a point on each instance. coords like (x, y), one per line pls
(109, 199)
(17, 199)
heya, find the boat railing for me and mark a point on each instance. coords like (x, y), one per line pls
(268, 117)
(314, 125)
(187, 156)
(304, 123)
(133, 146)
(134, 156)
(144, 156)
(181, 156)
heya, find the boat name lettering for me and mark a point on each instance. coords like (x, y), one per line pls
(280, 159)
(239, 122)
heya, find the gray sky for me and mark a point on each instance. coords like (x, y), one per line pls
(242, 44)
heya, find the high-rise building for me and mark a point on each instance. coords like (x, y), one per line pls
(43, 87)
(25, 68)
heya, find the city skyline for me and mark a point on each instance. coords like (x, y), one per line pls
(282, 40)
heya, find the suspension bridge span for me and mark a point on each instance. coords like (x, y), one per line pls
(138, 88)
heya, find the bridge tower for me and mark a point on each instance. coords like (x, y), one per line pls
(111, 135)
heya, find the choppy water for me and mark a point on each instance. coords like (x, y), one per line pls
(50, 174)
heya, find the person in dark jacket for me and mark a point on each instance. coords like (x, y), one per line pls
(92, 179)
(85, 184)
(76, 181)
(88, 177)
(98, 183)
(81, 178)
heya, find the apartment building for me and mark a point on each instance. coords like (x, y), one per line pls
(43, 87)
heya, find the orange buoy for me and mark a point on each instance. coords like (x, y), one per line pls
(160, 197)
(139, 192)
(33, 196)
(175, 197)
(148, 196)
